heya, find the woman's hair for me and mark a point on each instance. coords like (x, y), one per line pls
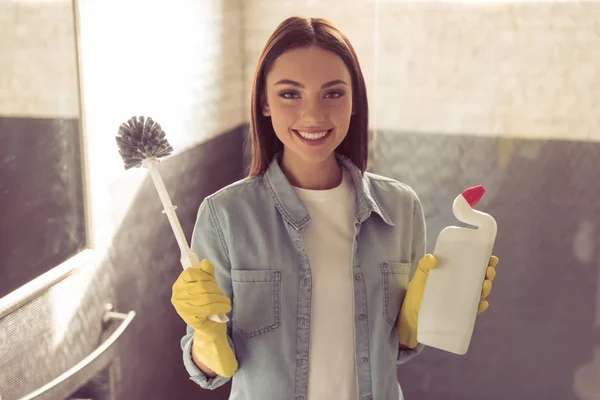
(297, 32)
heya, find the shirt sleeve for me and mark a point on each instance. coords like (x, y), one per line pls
(405, 356)
(208, 242)
(419, 235)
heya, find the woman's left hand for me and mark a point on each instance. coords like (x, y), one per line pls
(490, 274)
(406, 325)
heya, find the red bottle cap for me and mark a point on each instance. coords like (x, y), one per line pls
(473, 195)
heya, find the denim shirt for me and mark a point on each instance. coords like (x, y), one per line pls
(252, 231)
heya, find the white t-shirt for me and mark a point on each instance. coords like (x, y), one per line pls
(328, 239)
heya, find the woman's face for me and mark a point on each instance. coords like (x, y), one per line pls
(308, 95)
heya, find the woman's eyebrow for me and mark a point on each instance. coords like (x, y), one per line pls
(298, 84)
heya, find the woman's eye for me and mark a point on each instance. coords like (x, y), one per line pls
(289, 95)
(294, 95)
(334, 95)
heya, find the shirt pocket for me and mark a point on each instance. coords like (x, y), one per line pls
(256, 301)
(395, 281)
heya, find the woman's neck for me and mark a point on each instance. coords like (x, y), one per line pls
(313, 176)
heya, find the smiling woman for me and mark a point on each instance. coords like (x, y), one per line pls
(311, 115)
(298, 105)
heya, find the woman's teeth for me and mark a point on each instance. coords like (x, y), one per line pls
(312, 135)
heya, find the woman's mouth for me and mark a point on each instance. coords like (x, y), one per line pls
(313, 138)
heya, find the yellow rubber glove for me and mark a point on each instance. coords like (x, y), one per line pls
(406, 325)
(196, 296)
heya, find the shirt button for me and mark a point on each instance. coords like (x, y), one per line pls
(364, 360)
(362, 317)
(359, 277)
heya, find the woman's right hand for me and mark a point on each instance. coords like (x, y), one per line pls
(196, 296)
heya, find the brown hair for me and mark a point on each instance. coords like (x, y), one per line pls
(300, 32)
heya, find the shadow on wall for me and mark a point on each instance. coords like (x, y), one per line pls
(543, 325)
(144, 263)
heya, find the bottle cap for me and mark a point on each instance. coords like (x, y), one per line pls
(473, 194)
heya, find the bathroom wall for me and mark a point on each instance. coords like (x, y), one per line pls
(540, 337)
(44, 32)
(505, 95)
(526, 68)
(137, 58)
(39, 119)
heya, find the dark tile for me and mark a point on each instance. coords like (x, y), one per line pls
(41, 197)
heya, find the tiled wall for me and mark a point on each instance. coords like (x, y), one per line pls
(547, 291)
(41, 208)
(137, 58)
(39, 120)
(525, 69)
(505, 95)
(40, 32)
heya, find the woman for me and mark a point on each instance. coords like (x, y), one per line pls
(312, 254)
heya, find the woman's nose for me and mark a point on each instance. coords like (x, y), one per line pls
(313, 112)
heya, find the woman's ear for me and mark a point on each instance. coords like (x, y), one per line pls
(266, 110)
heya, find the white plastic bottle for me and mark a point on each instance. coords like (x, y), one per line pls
(453, 290)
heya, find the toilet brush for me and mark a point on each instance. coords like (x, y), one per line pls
(142, 142)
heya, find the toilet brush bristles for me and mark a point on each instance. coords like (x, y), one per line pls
(140, 138)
